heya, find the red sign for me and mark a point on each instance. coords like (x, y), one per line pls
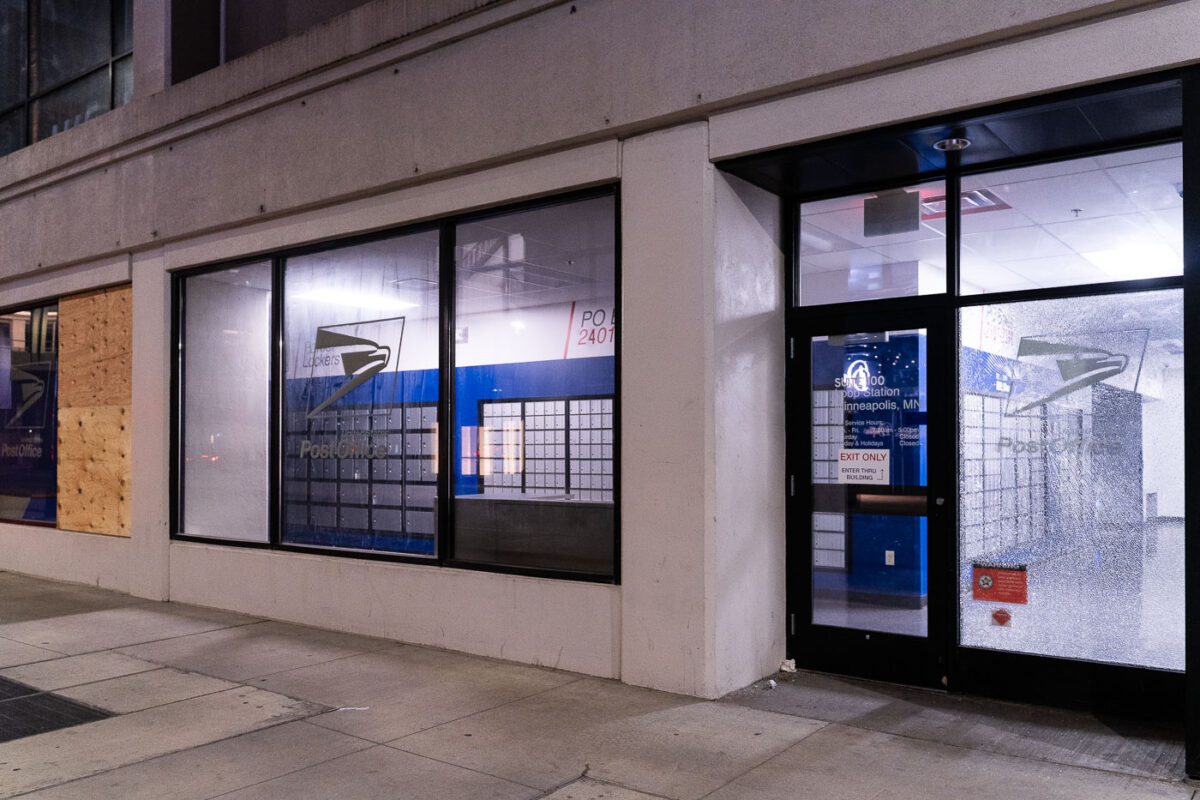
(1001, 617)
(1000, 584)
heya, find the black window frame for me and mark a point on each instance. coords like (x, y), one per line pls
(106, 65)
(444, 522)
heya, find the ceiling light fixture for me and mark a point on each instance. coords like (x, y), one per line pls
(952, 145)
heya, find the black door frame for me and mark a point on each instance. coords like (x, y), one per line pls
(871, 654)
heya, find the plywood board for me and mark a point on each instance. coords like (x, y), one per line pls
(94, 469)
(95, 348)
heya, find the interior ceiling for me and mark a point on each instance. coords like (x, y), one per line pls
(552, 254)
(1109, 217)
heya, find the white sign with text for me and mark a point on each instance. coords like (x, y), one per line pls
(864, 466)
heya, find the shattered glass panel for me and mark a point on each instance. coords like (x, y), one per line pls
(1071, 492)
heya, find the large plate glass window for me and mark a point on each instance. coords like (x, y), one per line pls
(225, 396)
(869, 246)
(28, 414)
(360, 396)
(1071, 493)
(535, 344)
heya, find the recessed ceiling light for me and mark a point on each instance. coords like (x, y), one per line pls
(952, 144)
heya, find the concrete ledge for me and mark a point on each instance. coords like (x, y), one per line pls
(90, 558)
(560, 624)
(57, 283)
(577, 168)
(1150, 40)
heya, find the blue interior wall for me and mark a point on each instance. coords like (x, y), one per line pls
(492, 382)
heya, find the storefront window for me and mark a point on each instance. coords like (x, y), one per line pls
(28, 414)
(226, 397)
(348, 448)
(534, 388)
(1071, 524)
(871, 246)
(360, 396)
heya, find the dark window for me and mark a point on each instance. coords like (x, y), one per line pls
(208, 33)
(14, 60)
(62, 62)
(28, 414)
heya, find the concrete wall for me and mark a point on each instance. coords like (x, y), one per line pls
(292, 135)
(362, 125)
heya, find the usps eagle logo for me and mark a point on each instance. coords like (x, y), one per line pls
(1051, 368)
(349, 351)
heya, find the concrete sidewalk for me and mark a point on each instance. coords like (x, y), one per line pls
(210, 704)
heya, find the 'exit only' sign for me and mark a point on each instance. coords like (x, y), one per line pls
(864, 466)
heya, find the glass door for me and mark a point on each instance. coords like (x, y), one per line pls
(868, 485)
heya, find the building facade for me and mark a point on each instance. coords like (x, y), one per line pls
(659, 341)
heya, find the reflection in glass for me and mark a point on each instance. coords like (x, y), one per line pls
(28, 414)
(122, 26)
(534, 473)
(72, 105)
(69, 38)
(12, 131)
(226, 397)
(869, 470)
(1106, 218)
(122, 81)
(12, 54)
(868, 246)
(360, 396)
(1071, 490)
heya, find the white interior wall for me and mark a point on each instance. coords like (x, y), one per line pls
(226, 394)
(1162, 434)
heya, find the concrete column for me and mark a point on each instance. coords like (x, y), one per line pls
(151, 65)
(149, 574)
(702, 382)
(667, 459)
